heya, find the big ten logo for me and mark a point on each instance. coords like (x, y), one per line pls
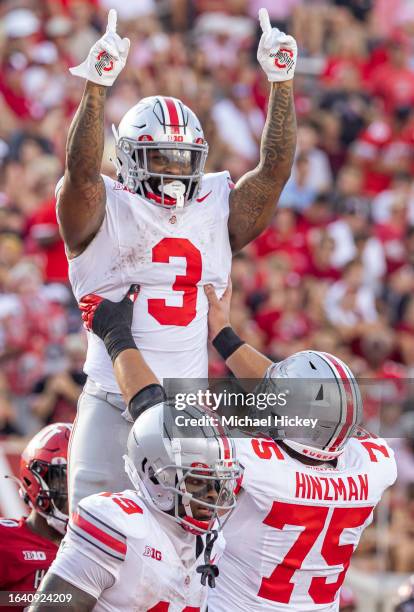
(34, 555)
(153, 553)
(175, 137)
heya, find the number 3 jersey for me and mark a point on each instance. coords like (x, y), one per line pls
(171, 254)
(290, 539)
(132, 558)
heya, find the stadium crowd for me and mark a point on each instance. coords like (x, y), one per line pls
(334, 272)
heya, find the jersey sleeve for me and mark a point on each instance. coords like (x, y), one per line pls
(93, 532)
(81, 570)
(378, 460)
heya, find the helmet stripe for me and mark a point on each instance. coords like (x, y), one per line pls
(350, 415)
(223, 441)
(174, 122)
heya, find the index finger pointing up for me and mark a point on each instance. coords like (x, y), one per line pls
(112, 19)
(264, 20)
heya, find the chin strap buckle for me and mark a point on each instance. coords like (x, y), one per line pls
(175, 190)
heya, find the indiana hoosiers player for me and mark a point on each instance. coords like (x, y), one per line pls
(164, 224)
(306, 500)
(28, 546)
(150, 548)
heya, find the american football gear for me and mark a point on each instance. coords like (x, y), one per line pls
(43, 474)
(319, 386)
(106, 58)
(161, 151)
(163, 458)
(111, 321)
(277, 52)
(151, 395)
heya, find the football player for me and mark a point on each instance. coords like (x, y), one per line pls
(305, 499)
(29, 545)
(149, 548)
(162, 223)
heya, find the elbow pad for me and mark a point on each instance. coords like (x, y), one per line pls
(151, 395)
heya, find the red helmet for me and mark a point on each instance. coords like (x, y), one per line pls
(43, 475)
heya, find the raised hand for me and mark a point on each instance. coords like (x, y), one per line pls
(106, 58)
(277, 52)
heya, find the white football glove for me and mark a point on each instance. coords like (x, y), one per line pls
(277, 52)
(107, 57)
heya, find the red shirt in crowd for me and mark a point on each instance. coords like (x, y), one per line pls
(378, 147)
(402, 91)
(43, 224)
(293, 246)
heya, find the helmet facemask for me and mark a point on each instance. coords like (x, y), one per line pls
(145, 168)
(178, 489)
(51, 501)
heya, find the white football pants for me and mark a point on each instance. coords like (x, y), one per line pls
(97, 444)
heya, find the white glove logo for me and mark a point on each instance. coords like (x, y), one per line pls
(284, 59)
(107, 57)
(277, 52)
(105, 62)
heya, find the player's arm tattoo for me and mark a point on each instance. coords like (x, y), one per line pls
(54, 589)
(254, 198)
(81, 201)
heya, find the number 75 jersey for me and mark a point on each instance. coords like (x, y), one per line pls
(171, 254)
(290, 539)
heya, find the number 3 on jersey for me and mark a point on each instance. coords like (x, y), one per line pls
(186, 283)
(278, 586)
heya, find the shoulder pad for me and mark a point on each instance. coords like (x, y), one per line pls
(100, 520)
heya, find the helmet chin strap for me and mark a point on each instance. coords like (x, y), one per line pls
(57, 520)
(175, 190)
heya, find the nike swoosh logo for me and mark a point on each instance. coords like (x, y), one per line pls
(204, 197)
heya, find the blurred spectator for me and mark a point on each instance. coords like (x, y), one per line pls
(347, 600)
(297, 194)
(402, 534)
(349, 303)
(319, 176)
(55, 397)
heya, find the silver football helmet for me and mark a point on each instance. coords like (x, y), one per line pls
(162, 457)
(156, 136)
(317, 386)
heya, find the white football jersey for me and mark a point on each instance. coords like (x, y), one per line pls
(290, 539)
(172, 255)
(149, 561)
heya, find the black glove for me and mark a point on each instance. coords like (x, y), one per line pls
(111, 321)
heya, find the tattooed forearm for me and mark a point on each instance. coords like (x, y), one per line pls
(81, 204)
(279, 134)
(84, 148)
(255, 196)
